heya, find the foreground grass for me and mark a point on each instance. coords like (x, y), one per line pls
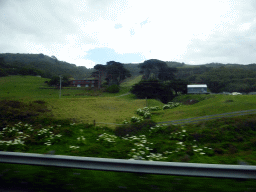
(53, 179)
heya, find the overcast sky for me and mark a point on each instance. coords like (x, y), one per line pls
(90, 32)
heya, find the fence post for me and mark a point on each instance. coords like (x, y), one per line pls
(94, 123)
(146, 102)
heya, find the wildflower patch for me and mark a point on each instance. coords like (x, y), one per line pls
(20, 135)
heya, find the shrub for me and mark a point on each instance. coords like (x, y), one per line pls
(219, 151)
(134, 128)
(171, 105)
(156, 108)
(144, 112)
(68, 132)
(15, 111)
(113, 89)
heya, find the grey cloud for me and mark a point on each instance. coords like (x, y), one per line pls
(39, 22)
(223, 49)
(233, 45)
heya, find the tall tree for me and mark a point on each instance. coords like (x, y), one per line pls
(150, 68)
(167, 74)
(116, 72)
(157, 69)
(177, 85)
(100, 73)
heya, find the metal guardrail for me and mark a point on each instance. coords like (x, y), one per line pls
(134, 166)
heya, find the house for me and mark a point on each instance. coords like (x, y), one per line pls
(197, 89)
(84, 83)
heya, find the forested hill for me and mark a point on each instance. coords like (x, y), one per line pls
(39, 64)
(219, 77)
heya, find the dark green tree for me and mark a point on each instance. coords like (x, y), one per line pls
(152, 89)
(157, 69)
(167, 74)
(151, 68)
(100, 74)
(116, 73)
(178, 86)
(55, 80)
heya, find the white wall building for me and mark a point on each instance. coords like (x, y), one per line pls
(197, 89)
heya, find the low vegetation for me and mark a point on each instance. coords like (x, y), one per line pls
(229, 142)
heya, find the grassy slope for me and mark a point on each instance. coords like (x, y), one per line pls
(108, 110)
(105, 108)
(213, 104)
(131, 81)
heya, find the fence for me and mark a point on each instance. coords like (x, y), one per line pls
(133, 166)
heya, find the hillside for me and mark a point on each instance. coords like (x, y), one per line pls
(49, 66)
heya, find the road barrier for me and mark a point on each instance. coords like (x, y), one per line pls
(133, 166)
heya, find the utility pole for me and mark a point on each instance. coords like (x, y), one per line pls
(60, 86)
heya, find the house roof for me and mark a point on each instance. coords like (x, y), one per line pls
(193, 86)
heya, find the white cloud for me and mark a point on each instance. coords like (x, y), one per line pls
(186, 31)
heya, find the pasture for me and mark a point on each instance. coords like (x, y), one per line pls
(78, 105)
(81, 105)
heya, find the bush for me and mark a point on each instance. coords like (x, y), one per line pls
(113, 89)
(16, 111)
(134, 128)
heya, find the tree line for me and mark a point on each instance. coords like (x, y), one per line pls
(218, 77)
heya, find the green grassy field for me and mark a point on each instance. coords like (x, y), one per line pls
(223, 141)
(82, 108)
(105, 107)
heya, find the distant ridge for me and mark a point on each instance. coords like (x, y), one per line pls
(51, 66)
